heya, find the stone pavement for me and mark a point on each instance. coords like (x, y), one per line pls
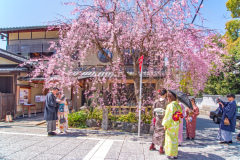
(31, 142)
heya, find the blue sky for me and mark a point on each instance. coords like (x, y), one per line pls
(17, 13)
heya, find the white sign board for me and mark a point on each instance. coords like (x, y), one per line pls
(40, 98)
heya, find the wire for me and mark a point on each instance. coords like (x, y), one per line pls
(197, 11)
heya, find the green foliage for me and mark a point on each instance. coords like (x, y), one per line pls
(234, 7)
(95, 114)
(77, 119)
(112, 117)
(232, 30)
(227, 82)
(223, 84)
(130, 117)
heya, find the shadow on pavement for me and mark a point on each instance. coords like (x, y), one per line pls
(73, 134)
(200, 156)
(5, 126)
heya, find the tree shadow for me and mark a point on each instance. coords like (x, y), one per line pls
(5, 126)
(206, 135)
(195, 155)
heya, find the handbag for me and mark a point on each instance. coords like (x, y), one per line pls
(8, 117)
(226, 122)
(62, 120)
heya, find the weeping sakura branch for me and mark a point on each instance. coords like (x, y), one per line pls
(123, 31)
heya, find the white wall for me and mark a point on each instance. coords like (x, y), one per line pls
(208, 102)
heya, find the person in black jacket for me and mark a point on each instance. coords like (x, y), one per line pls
(229, 112)
(50, 111)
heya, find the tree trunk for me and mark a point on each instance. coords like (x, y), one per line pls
(137, 87)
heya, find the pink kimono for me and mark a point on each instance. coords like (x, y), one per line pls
(191, 126)
(180, 132)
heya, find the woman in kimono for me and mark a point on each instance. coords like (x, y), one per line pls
(180, 133)
(159, 132)
(191, 120)
(62, 114)
(229, 113)
(171, 126)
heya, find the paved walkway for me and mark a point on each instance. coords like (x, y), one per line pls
(31, 142)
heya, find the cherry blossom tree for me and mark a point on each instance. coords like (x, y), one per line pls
(158, 29)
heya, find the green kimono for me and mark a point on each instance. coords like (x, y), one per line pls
(171, 134)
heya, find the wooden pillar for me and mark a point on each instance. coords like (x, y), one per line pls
(74, 100)
(16, 95)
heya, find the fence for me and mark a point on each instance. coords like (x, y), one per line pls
(121, 110)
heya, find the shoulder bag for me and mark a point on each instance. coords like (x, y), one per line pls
(226, 122)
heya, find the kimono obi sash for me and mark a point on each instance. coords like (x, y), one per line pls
(177, 115)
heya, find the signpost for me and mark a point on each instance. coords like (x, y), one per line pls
(140, 61)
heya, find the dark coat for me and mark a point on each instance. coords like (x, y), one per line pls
(229, 111)
(50, 111)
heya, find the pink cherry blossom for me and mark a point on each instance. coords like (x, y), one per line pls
(160, 30)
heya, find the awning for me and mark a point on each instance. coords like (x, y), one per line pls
(101, 72)
(85, 73)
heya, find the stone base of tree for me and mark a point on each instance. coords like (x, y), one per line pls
(123, 126)
(92, 123)
(129, 127)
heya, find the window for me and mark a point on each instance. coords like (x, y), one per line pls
(102, 58)
(6, 84)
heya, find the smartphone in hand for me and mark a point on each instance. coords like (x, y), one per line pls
(62, 98)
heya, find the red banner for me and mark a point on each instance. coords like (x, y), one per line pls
(140, 61)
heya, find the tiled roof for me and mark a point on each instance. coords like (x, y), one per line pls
(90, 73)
(37, 78)
(6, 29)
(12, 69)
(100, 72)
(12, 56)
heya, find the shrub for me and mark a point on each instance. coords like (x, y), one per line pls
(95, 114)
(77, 119)
(130, 117)
(112, 117)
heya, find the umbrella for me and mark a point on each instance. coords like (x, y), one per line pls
(182, 97)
